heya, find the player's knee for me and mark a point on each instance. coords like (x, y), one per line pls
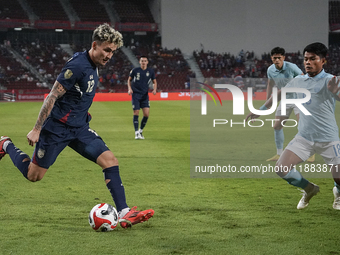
(112, 160)
(35, 173)
(277, 125)
(107, 159)
(115, 161)
(279, 169)
(34, 178)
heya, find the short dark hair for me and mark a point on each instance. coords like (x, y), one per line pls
(317, 48)
(143, 56)
(278, 50)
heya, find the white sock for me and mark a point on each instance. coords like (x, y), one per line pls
(4, 146)
(123, 212)
(279, 151)
(140, 131)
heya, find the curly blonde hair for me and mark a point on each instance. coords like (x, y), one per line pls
(105, 33)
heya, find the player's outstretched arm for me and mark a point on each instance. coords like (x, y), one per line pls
(333, 86)
(56, 92)
(265, 106)
(251, 116)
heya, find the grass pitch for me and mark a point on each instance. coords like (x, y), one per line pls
(192, 216)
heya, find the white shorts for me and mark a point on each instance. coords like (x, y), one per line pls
(289, 109)
(330, 151)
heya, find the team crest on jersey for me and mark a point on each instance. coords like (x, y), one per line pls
(68, 74)
(41, 153)
(147, 74)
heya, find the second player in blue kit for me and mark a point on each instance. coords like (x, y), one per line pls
(138, 86)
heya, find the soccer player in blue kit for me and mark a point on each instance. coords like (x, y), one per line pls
(318, 132)
(279, 74)
(138, 87)
(63, 121)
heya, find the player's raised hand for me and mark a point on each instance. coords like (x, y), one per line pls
(333, 85)
(252, 116)
(33, 136)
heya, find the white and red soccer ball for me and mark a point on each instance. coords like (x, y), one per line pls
(103, 217)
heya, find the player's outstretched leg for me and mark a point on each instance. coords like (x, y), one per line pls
(20, 159)
(133, 217)
(3, 139)
(293, 177)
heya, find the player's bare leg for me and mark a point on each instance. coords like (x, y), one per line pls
(35, 172)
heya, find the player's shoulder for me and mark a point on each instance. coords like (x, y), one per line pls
(271, 68)
(271, 71)
(134, 70)
(329, 75)
(79, 60)
(291, 65)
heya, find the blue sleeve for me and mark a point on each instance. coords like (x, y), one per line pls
(132, 73)
(152, 74)
(70, 75)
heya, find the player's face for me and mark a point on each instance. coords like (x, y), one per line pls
(313, 63)
(143, 63)
(102, 52)
(278, 60)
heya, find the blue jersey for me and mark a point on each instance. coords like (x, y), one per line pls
(141, 79)
(79, 76)
(321, 126)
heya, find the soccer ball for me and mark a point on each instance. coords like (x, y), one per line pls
(103, 217)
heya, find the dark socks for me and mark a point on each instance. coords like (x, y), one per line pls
(135, 122)
(115, 187)
(18, 158)
(143, 123)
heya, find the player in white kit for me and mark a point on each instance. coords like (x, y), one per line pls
(318, 132)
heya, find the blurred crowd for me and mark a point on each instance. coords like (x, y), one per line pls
(171, 69)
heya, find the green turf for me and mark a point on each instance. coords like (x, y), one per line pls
(192, 215)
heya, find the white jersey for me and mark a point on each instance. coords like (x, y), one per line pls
(321, 126)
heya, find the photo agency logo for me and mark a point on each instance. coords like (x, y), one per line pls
(204, 97)
(238, 103)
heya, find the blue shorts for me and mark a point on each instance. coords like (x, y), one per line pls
(55, 136)
(140, 101)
